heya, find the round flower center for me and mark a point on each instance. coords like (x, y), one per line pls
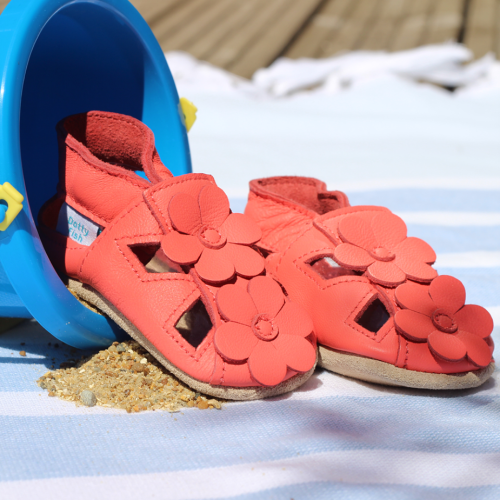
(264, 328)
(444, 321)
(211, 237)
(383, 254)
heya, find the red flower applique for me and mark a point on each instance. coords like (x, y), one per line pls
(264, 329)
(436, 314)
(212, 238)
(382, 250)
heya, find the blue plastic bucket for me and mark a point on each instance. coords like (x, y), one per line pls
(60, 57)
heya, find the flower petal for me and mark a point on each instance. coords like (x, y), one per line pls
(299, 354)
(475, 319)
(181, 248)
(413, 325)
(240, 228)
(266, 364)
(293, 319)
(214, 206)
(448, 293)
(214, 266)
(235, 304)
(235, 342)
(417, 249)
(355, 230)
(247, 261)
(416, 297)
(266, 295)
(385, 273)
(352, 257)
(417, 271)
(389, 229)
(446, 346)
(411, 257)
(478, 350)
(184, 213)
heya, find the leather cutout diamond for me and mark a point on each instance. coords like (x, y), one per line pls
(153, 259)
(374, 317)
(327, 268)
(194, 324)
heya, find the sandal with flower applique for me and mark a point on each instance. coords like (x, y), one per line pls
(380, 311)
(168, 262)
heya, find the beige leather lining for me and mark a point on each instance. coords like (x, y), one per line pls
(371, 370)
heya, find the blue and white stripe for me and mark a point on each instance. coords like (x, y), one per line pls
(334, 436)
(431, 158)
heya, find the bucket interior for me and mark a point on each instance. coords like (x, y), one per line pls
(71, 56)
(86, 58)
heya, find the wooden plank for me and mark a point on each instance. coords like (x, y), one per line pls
(196, 29)
(323, 25)
(411, 28)
(444, 22)
(387, 18)
(179, 19)
(497, 30)
(139, 4)
(153, 11)
(203, 47)
(479, 31)
(274, 40)
(264, 13)
(353, 29)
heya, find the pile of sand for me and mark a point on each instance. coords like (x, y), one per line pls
(123, 376)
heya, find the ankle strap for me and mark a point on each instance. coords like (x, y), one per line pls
(99, 153)
(302, 193)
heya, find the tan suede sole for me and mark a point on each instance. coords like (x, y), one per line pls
(371, 370)
(89, 295)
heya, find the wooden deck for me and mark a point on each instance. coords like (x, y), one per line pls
(244, 35)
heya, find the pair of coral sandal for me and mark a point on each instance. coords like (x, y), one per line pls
(235, 305)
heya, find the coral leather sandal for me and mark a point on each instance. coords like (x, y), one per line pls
(380, 312)
(167, 260)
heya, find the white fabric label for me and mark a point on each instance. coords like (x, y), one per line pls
(75, 225)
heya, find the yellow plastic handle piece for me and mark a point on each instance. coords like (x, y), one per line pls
(14, 201)
(189, 111)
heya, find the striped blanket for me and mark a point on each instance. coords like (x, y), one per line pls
(431, 157)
